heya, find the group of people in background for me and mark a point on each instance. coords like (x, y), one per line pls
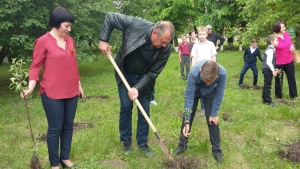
(60, 87)
(278, 58)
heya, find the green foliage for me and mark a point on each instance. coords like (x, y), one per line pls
(220, 14)
(180, 12)
(18, 81)
(267, 12)
(24, 21)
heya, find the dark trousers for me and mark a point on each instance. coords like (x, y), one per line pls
(245, 68)
(60, 116)
(185, 61)
(214, 131)
(125, 121)
(266, 92)
(289, 69)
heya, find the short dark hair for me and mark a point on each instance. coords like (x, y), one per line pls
(270, 38)
(277, 26)
(193, 30)
(60, 15)
(209, 71)
(254, 41)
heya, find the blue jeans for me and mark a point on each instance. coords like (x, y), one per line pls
(125, 121)
(152, 94)
(60, 116)
(253, 67)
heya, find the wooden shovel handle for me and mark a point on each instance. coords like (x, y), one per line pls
(129, 89)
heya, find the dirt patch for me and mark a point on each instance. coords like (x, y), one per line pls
(280, 101)
(43, 137)
(258, 87)
(179, 114)
(227, 118)
(291, 152)
(76, 127)
(182, 162)
(80, 126)
(96, 97)
(245, 86)
(113, 164)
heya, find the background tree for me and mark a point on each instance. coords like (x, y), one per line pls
(223, 15)
(24, 21)
(261, 16)
(181, 13)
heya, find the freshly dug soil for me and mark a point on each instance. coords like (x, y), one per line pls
(291, 152)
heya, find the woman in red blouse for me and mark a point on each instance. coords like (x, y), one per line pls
(60, 85)
(284, 61)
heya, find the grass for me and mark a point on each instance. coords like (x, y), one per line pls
(252, 140)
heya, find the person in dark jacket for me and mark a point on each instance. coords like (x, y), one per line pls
(142, 56)
(250, 55)
(214, 37)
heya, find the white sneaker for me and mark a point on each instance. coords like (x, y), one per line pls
(202, 112)
(153, 102)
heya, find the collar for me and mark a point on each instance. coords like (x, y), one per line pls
(148, 34)
(206, 42)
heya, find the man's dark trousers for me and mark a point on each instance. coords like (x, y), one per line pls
(125, 121)
(214, 131)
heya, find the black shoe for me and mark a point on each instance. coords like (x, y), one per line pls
(146, 150)
(63, 165)
(219, 158)
(127, 146)
(179, 151)
(272, 104)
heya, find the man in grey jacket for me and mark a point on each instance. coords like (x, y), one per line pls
(142, 56)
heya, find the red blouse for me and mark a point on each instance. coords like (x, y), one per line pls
(61, 75)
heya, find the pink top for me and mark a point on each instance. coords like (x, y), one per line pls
(283, 53)
(60, 75)
(184, 49)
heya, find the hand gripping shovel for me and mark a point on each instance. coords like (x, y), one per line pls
(160, 141)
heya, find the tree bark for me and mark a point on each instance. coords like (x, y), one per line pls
(3, 52)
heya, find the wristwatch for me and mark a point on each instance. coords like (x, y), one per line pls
(186, 122)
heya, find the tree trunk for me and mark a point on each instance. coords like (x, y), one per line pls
(230, 43)
(3, 52)
(175, 41)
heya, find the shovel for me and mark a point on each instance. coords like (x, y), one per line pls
(160, 141)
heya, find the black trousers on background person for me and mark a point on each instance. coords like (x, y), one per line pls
(266, 93)
(289, 70)
(214, 131)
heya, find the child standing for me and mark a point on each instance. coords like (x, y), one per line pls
(184, 57)
(250, 55)
(268, 69)
(203, 50)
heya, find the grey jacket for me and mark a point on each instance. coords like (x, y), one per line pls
(136, 32)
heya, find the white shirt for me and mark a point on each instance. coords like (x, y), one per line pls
(252, 49)
(203, 51)
(270, 54)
